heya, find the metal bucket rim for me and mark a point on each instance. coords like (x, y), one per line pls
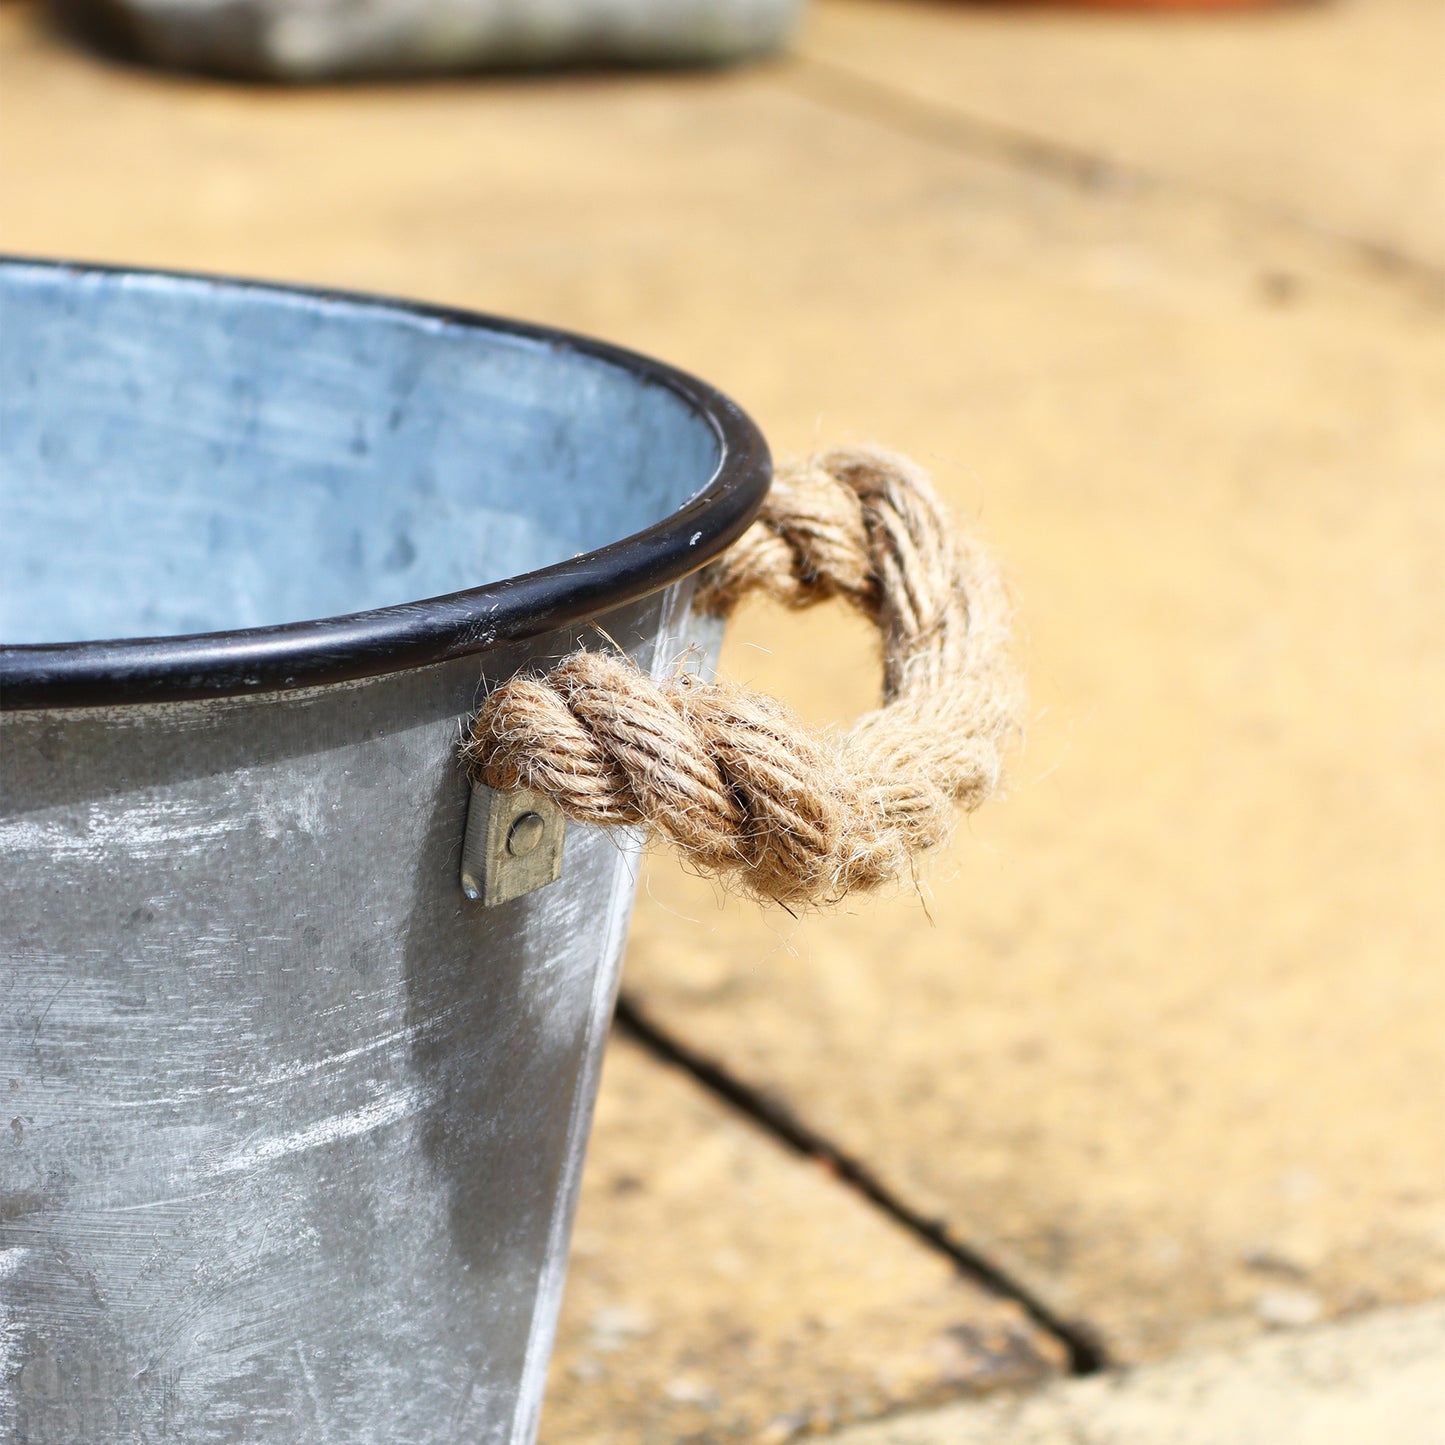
(343, 648)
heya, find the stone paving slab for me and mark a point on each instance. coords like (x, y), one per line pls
(1175, 1038)
(722, 1288)
(1328, 112)
(1175, 1035)
(1377, 1378)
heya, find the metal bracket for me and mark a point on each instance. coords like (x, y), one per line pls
(513, 845)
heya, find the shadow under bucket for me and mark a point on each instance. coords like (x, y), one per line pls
(295, 1126)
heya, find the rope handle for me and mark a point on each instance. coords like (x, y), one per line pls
(730, 777)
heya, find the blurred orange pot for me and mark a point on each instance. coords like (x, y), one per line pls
(1172, 5)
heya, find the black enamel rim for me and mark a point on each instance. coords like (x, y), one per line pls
(414, 634)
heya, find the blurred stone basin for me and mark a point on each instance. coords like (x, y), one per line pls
(301, 40)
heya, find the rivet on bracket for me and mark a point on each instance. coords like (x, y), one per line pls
(513, 845)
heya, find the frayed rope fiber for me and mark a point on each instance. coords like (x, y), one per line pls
(730, 777)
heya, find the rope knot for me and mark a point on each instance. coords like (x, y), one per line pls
(731, 777)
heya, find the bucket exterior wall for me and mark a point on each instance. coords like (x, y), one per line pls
(293, 1130)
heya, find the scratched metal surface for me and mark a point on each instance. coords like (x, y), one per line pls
(293, 1129)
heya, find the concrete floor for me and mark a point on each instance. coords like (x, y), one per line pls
(1158, 1076)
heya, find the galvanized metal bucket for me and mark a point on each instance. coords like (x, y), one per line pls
(293, 1124)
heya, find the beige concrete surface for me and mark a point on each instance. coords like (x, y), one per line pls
(1176, 1032)
(1173, 1044)
(1330, 111)
(724, 1289)
(1380, 1379)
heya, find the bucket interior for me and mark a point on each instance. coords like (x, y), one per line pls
(181, 456)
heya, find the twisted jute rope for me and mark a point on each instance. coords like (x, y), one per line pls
(730, 777)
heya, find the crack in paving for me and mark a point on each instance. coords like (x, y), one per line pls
(865, 98)
(1086, 1353)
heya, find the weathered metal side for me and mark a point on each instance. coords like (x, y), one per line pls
(294, 1127)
